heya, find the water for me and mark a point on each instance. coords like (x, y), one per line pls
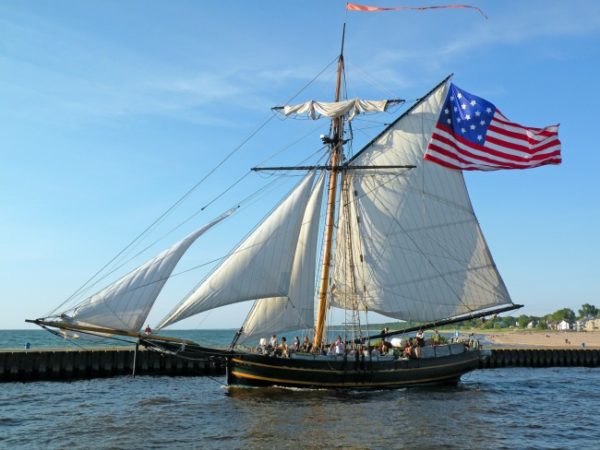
(17, 339)
(516, 408)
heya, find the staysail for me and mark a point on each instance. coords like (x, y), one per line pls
(125, 304)
(260, 267)
(416, 247)
(296, 310)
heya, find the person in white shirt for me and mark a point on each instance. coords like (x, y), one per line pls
(340, 348)
(273, 343)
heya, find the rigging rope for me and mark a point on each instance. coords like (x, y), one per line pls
(171, 208)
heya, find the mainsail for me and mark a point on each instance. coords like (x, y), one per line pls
(296, 310)
(415, 244)
(260, 267)
(125, 304)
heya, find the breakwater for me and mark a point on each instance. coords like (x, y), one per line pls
(62, 364)
(539, 357)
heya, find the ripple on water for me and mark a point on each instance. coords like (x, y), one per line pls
(508, 408)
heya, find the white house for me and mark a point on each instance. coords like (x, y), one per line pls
(563, 325)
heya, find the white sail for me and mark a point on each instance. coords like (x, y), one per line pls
(351, 108)
(126, 303)
(296, 311)
(412, 236)
(260, 267)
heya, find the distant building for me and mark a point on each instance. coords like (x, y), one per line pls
(532, 325)
(580, 324)
(563, 325)
(592, 325)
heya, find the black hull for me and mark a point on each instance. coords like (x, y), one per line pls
(248, 369)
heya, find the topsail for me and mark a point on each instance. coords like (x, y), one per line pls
(351, 108)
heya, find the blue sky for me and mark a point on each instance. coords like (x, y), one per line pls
(110, 111)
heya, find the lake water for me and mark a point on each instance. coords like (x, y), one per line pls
(515, 408)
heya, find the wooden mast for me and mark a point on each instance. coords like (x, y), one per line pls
(336, 145)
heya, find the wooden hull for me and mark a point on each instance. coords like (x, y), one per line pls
(248, 369)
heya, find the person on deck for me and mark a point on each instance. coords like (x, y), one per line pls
(420, 338)
(296, 346)
(306, 345)
(340, 348)
(283, 348)
(273, 342)
(148, 330)
(437, 339)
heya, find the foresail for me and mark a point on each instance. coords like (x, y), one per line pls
(409, 246)
(296, 311)
(126, 303)
(260, 267)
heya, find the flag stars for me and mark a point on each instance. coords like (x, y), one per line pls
(463, 106)
(473, 102)
(488, 110)
(459, 95)
(449, 121)
(479, 137)
(472, 127)
(447, 111)
(456, 109)
(458, 119)
(477, 113)
(462, 130)
(468, 117)
(482, 123)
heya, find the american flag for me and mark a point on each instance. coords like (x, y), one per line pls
(472, 134)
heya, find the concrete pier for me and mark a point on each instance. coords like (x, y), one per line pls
(66, 364)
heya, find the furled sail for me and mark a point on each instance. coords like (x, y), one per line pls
(296, 311)
(314, 110)
(409, 245)
(126, 303)
(260, 267)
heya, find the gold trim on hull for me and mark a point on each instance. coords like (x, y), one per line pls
(316, 383)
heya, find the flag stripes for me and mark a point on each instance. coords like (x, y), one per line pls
(471, 134)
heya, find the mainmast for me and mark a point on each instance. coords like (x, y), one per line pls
(336, 143)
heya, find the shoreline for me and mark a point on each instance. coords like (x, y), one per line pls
(545, 338)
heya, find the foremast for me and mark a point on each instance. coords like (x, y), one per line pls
(336, 143)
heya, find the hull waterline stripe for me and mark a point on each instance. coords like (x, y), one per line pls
(349, 384)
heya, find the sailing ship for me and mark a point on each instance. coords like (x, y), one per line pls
(400, 238)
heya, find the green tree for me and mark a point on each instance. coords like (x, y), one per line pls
(562, 314)
(588, 310)
(523, 320)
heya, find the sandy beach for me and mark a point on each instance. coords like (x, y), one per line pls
(559, 339)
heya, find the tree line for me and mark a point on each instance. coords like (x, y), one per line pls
(587, 311)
